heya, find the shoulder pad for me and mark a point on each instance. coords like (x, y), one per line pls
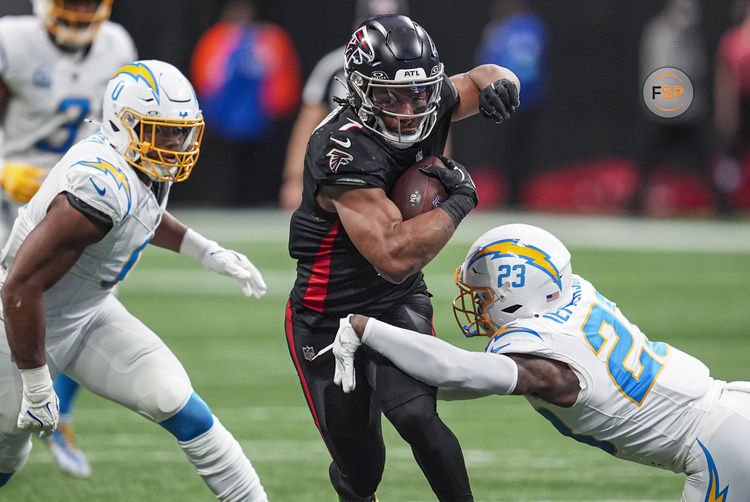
(102, 185)
(342, 153)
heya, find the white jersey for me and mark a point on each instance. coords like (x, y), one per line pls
(639, 400)
(321, 87)
(53, 91)
(96, 174)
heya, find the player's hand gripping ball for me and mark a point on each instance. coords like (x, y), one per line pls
(415, 192)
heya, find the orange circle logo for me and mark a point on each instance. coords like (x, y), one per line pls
(668, 92)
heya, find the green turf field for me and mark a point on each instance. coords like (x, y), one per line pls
(693, 293)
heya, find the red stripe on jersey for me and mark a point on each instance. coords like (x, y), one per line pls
(317, 285)
(290, 342)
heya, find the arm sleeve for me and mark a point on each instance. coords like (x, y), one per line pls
(458, 373)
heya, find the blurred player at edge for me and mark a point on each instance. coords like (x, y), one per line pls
(578, 361)
(74, 241)
(355, 252)
(53, 69)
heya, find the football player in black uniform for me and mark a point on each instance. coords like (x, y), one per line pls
(355, 253)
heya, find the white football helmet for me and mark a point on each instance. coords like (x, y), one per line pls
(511, 272)
(151, 116)
(73, 23)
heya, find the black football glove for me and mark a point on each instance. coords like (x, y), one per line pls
(499, 100)
(462, 194)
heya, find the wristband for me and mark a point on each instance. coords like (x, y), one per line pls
(36, 380)
(458, 206)
(195, 245)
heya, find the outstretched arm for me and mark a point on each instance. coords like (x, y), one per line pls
(172, 234)
(458, 373)
(461, 374)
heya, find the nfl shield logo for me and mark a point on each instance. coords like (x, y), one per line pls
(309, 353)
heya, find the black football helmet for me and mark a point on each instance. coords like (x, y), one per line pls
(394, 76)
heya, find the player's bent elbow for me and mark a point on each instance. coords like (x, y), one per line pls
(9, 294)
(15, 294)
(393, 266)
(395, 273)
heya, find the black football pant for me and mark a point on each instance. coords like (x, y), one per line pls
(350, 423)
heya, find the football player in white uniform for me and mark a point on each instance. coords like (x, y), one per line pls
(74, 241)
(54, 67)
(578, 361)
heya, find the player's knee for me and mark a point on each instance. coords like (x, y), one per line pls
(358, 486)
(162, 401)
(414, 419)
(14, 452)
(4, 478)
(191, 421)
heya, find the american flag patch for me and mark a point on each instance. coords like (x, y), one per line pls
(554, 296)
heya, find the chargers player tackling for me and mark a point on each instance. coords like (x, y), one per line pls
(76, 239)
(54, 67)
(578, 361)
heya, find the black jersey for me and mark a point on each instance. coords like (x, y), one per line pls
(333, 278)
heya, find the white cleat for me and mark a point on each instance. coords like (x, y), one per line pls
(71, 460)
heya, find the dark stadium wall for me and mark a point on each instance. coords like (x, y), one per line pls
(592, 104)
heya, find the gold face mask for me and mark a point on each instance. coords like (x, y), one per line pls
(164, 149)
(469, 308)
(75, 23)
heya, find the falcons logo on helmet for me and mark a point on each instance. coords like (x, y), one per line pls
(337, 158)
(359, 48)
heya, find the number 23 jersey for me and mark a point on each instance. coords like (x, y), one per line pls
(639, 400)
(53, 91)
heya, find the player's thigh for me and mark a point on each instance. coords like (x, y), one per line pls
(15, 445)
(338, 416)
(123, 360)
(393, 387)
(720, 461)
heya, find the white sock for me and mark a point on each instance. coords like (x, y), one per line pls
(220, 461)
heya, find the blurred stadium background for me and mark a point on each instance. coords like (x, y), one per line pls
(684, 279)
(585, 138)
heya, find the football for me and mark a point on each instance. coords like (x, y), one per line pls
(415, 193)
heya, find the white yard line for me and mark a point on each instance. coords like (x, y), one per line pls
(606, 232)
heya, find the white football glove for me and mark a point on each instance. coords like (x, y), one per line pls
(40, 407)
(225, 262)
(236, 265)
(344, 346)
